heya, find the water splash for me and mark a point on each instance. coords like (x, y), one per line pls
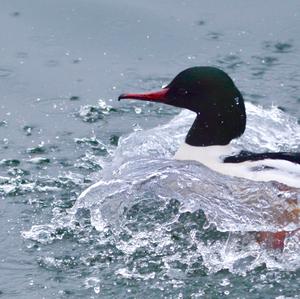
(89, 113)
(179, 216)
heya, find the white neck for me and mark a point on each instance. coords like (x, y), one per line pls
(212, 156)
(206, 155)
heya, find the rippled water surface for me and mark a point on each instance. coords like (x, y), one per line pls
(92, 203)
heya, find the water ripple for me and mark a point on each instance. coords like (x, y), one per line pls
(5, 73)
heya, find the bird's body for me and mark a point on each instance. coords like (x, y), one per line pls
(264, 170)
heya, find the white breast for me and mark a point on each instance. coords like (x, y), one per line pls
(212, 156)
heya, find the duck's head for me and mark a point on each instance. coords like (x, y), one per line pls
(209, 92)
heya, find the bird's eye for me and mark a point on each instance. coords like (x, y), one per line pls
(182, 91)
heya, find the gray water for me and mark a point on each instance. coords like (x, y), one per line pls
(144, 230)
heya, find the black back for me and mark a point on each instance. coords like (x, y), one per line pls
(249, 156)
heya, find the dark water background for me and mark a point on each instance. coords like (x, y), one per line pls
(57, 60)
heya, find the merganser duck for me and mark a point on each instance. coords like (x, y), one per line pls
(220, 118)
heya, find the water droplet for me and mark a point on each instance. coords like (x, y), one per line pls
(97, 290)
(3, 123)
(225, 282)
(137, 110)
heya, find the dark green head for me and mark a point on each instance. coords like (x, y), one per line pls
(211, 93)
